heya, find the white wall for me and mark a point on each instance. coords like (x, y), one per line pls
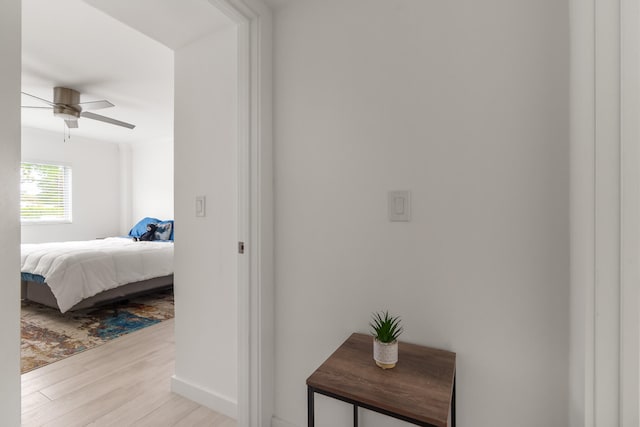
(152, 180)
(96, 185)
(126, 199)
(9, 213)
(465, 104)
(205, 260)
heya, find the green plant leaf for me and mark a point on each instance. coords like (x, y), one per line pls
(384, 327)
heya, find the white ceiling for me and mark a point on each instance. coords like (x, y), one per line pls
(174, 23)
(275, 4)
(73, 43)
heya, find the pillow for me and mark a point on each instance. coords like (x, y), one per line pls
(170, 222)
(141, 227)
(163, 231)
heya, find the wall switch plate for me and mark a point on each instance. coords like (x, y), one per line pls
(201, 206)
(399, 206)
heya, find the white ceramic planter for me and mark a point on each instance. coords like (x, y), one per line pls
(385, 354)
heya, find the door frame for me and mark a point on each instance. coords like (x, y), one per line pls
(605, 227)
(630, 213)
(256, 355)
(10, 136)
(256, 317)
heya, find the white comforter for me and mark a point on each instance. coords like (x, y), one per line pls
(78, 270)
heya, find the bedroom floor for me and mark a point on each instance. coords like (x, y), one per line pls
(124, 382)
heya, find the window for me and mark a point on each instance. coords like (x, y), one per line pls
(45, 193)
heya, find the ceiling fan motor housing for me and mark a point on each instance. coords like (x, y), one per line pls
(63, 95)
(66, 103)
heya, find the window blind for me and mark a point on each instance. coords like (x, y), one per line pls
(45, 193)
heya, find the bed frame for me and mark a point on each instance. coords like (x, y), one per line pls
(41, 293)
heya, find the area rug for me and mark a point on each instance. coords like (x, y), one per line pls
(49, 336)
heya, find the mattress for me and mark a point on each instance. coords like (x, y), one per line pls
(75, 271)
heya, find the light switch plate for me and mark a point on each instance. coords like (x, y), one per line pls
(201, 206)
(399, 206)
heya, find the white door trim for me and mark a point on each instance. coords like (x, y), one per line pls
(605, 228)
(630, 214)
(255, 209)
(10, 132)
(582, 214)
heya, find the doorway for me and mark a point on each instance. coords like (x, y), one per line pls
(255, 311)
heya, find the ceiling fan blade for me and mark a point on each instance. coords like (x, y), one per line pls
(39, 99)
(31, 106)
(109, 120)
(71, 124)
(95, 105)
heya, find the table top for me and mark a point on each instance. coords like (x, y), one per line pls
(420, 387)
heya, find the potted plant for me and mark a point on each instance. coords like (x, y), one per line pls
(385, 329)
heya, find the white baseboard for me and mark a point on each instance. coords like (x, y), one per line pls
(277, 422)
(208, 398)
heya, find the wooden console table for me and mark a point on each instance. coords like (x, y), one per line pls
(420, 389)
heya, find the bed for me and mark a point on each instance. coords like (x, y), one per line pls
(75, 275)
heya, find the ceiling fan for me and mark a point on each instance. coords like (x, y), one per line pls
(66, 105)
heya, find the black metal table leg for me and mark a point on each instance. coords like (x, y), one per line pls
(453, 404)
(355, 415)
(310, 408)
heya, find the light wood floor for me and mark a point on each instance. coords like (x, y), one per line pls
(124, 382)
